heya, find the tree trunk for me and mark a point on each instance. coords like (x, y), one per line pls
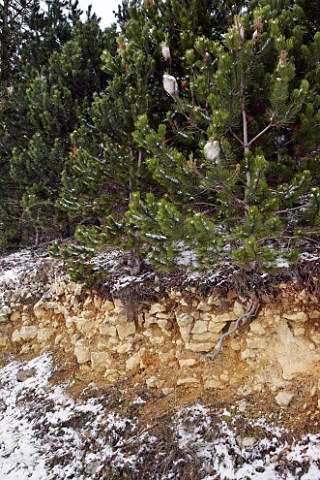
(5, 44)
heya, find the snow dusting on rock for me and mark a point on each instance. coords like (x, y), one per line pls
(46, 434)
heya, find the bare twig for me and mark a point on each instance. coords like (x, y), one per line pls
(236, 136)
(260, 134)
(250, 313)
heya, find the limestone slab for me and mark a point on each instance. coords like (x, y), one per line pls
(154, 382)
(40, 312)
(257, 329)
(213, 383)
(82, 353)
(106, 329)
(283, 399)
(16, 315)
(157, 308)
(3, 340)
(200, 347)
(45, 334)
(216, 327)
(133, 363)
(188, 362)
(124, 347)
(184, 319)
(100, 361)
(185, 332)
(107, 306)
(238, 309)
(204, 307)
(188, 381)
(156, 340)
(28, 333)
(84, 326)
(202, 337)
(200, 327)
(126, 329)
(167, 357)
(225, 317)
(296, 316)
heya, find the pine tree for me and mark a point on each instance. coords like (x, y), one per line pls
(53, 101)
(32, 36)
(210, 166)
(107, 166)
(14, 32)
(237, 209)
(14, 21)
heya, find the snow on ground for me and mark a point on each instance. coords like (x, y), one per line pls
(25, 274)
(47, 435)
(26, 264)
(14, 265)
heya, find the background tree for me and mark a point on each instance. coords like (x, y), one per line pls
(15, 18)
(34, 35)
(53, 92)
(57, 100)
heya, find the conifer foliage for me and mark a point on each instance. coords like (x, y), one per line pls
(58, 73)
(188, 137)
(212, 166)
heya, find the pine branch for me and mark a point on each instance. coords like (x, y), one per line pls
(20, 10)
(254, 139)
(236, 137)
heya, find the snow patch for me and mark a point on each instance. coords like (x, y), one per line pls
(46, 434)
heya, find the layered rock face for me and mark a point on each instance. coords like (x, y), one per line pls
(165, 341)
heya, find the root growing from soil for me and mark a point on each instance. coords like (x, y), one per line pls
(250, 313)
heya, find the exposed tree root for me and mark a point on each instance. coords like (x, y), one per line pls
(250, 313)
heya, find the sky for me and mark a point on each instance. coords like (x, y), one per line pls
(103, 9)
